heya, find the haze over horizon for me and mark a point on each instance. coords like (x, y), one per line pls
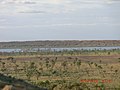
(22, 20)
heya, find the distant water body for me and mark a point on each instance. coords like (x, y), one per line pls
(58, 49)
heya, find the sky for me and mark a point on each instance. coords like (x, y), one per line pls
(22, 20)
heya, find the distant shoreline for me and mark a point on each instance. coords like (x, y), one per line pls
(59, 43)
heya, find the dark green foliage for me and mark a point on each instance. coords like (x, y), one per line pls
(8, 80)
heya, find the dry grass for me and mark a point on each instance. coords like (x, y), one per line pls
(92, 67)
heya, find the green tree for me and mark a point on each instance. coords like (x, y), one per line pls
(64, 65)
(78, 64)
(53, 64)
(31, 70)
(47, 63)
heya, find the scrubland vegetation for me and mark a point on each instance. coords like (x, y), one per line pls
(65, 70)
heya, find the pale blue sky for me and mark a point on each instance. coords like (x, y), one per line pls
(59, 20)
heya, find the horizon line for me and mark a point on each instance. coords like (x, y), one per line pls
(61, 40)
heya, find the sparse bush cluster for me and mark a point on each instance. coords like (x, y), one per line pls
(65, 70)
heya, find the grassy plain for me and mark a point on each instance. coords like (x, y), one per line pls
(65, 70)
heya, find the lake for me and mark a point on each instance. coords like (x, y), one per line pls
(58, 49)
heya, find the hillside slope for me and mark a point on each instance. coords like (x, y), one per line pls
(59, 43)
(10, 83)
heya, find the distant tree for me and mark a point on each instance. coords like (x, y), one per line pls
(108, 53)
(31, 70)
(95, 64)
(3, 68)
(10, 58)
(47, 63)
(53, 64)
(3, 64)
(78, 64)
(119, 60)
(100, 61)
(100, 67)
(41, 64)
(16, 69)
(38, 74)
(64, 65)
